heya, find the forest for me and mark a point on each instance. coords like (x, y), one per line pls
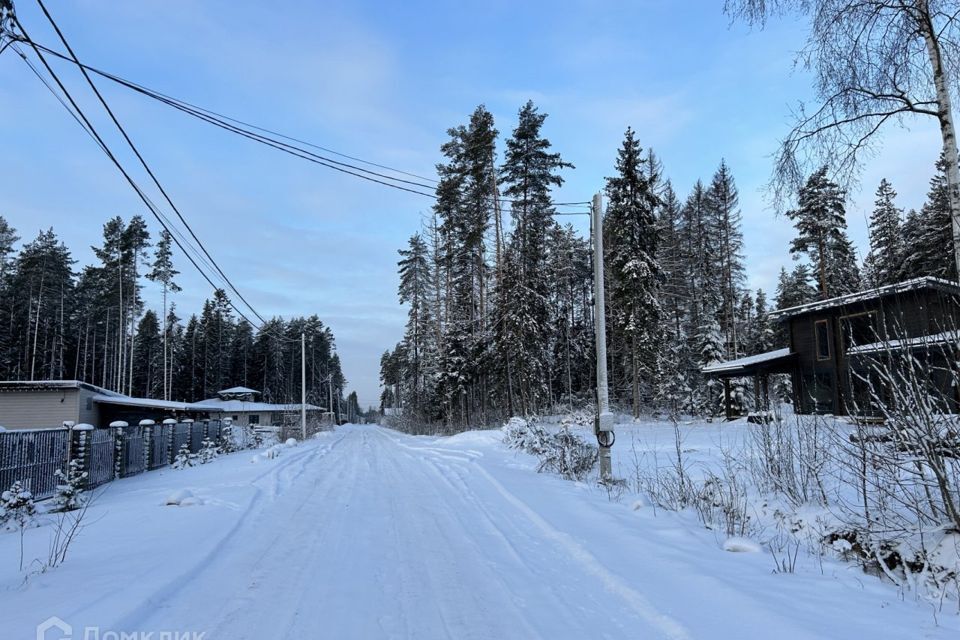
(499, 290)
(92, 324)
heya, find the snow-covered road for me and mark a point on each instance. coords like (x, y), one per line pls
(387, 539)
(368, 533)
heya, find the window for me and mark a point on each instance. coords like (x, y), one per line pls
(822, 335)
(254, 418)
(858, 329)
(235, 418)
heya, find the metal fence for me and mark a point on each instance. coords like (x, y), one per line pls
(132, 443)
(32, 458)
(100, 466)
(181, 436)
(196, 437)
(159, 452)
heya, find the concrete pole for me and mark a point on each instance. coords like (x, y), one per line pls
(303, 384)
(604, 424)
(330, 392)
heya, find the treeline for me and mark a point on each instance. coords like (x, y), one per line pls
(499, 293)
(92, 325)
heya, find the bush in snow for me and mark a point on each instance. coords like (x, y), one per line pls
(16, 507)
(69, 493)
(209, 451)
(17, 511)
(184, 458)
(559, 452)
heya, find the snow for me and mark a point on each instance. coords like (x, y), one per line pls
(925, 282)
(740, 363)
(945, 337)
(367, 533)
(741, 545)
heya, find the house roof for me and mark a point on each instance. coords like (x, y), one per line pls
(104, 396)
(242, 406)
(45, 385)
(238, 390)
(926, 282)
(762, 362)
(918, 342)
(127, 401)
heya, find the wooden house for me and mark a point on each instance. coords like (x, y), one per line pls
(838, 347)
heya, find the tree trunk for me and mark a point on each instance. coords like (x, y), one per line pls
(945, 117)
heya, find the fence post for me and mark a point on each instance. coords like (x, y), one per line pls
(147, 442)
(80, 449)
(118, 461)
(172, 428)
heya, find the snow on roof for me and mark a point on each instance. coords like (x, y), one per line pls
(238, 390)
(743, 363)
(127, 401)
(242, 406)
(53, 384)
(925, 282)
(918, 342)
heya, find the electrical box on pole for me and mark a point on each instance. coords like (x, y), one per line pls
(604, 421)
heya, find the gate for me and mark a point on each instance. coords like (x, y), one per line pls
(181, 436)
(32, 457)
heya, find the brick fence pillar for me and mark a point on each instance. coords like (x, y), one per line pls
(118, 460)
(80, 448)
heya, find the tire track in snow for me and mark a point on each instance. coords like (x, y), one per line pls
(155, 601)
(614, 584)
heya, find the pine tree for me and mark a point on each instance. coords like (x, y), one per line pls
(631, 230)
(164, 273)
(148, 357)
(820, 219)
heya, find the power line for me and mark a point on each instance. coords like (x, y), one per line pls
(236, 125)
(136, 152)
(103, 146)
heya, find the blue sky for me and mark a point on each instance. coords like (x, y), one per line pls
(384, 80)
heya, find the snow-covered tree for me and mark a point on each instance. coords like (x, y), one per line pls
(820, 220)
(630, 230)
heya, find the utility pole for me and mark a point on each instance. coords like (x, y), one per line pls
(330, 392)
(603, 426)
(303, 384)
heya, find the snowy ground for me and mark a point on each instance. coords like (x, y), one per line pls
(368, 533)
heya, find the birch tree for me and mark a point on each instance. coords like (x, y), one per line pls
(875, 62)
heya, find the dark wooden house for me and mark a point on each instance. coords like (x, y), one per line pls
(839, 348)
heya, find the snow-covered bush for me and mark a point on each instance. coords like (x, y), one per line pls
(69, 493)
(184, 458)
(16, 507)
(209, 451)
(559, 452)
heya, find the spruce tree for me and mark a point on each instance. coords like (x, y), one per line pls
(630, 228)
(529, 172)
(725, 222)
(884, 262)
(928, 240)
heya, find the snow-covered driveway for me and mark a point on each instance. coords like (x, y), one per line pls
(367, 533)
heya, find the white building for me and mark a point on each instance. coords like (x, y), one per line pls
(241, 406)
